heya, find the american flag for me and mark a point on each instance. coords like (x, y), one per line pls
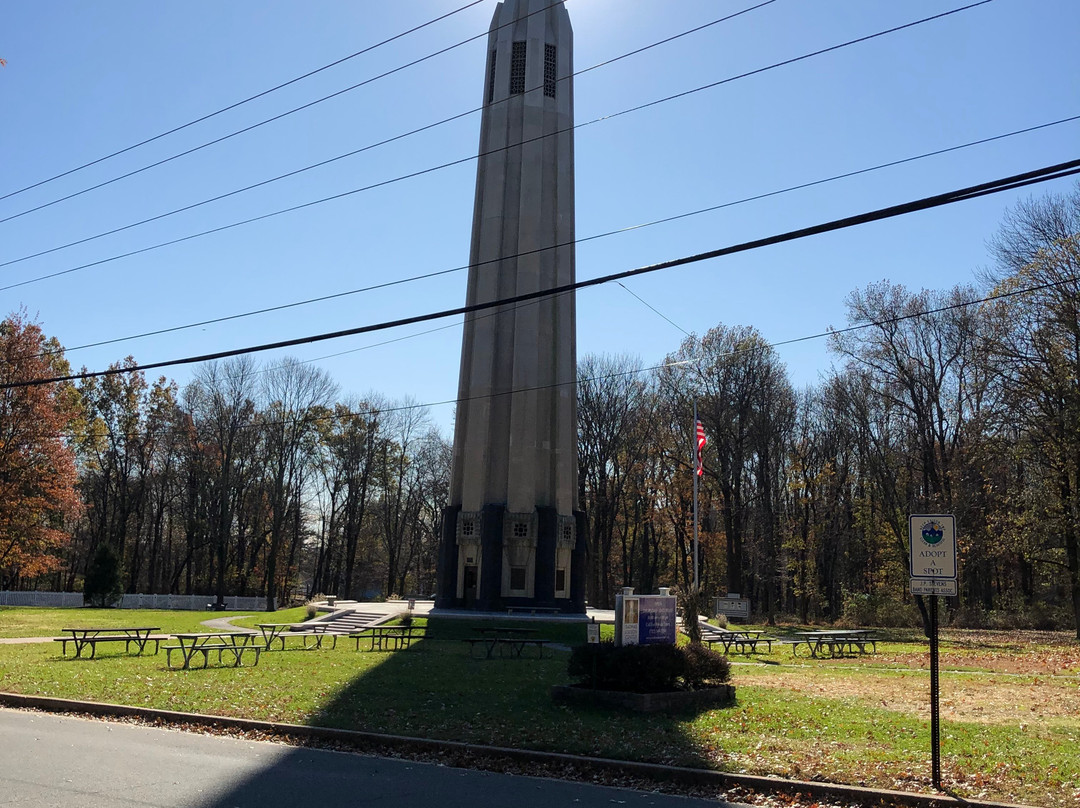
(701, 441)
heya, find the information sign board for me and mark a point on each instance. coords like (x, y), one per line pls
(733, 607)
(656, 621)
(933, 546)
(644, 619)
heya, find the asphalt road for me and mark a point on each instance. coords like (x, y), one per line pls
(52, 760)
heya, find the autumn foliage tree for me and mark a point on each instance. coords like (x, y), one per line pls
(37, 466)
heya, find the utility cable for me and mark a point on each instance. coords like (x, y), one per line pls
(254, 126)
(328, 416)
(653, 309)
(362, 149)
(328, 161)
(1013, 182)
(582, 240)
(452, 163)
(210, 115)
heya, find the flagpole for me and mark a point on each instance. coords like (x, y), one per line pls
(694, 465)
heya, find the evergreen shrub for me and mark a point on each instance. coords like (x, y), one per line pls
(646, 668)
(704, 667)
(102, 587)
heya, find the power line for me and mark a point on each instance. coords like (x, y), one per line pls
(326, 162)
(653, 309)
(452, 163)
(335, 416)
(582, 240)
(308, 418)
(405, 337)
(369, 147)
(1013, 182)
(912, 315)
(210, 115)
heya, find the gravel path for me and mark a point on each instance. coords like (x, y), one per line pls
(224, 623)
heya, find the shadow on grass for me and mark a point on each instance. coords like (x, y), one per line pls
(443, 688)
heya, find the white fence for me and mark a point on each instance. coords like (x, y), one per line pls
(192, 603)
(55, 599)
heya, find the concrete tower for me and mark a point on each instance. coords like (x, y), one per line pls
(513, 535)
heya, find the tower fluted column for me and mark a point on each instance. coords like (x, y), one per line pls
(511, 528)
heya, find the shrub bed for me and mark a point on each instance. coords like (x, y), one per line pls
(647, 668)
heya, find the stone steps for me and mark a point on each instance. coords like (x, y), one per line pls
(343, 622)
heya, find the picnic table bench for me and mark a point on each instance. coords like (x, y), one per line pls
(834, 643)
(506, 638)
(533, 609)
(739, 639)
(280, 631)
(505, 631)
(230, 646)
(387, 638)
(83, 637)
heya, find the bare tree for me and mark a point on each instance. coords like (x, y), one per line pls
(292, 391)
(745, 404)
(400, 489)
(1038, 341)
(221, 402)
(350, 438)
(117, 452)
(920, 354)
(432, 463)
(612, 437)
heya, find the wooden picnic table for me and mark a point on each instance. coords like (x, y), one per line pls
(228, 645)
(279, 631)
(83, 637)
(533, 609)
(835, 642)
(739, 639)
(505, 631)
(506, 638)
(386, 638)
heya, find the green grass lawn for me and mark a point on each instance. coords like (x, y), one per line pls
(297, 614)
(1010, 707)
(16, 621)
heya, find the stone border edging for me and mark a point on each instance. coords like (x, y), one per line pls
(672, 701)
(655, 772)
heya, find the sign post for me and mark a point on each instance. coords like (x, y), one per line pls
(932, 539)
(592, 632)
(935, 699)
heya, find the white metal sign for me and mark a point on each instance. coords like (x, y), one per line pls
(733, 607)
(933, 548)
(929, 586)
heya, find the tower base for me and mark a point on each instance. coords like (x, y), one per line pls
(494, 561)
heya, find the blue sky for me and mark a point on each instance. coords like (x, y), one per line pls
(86, 79)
